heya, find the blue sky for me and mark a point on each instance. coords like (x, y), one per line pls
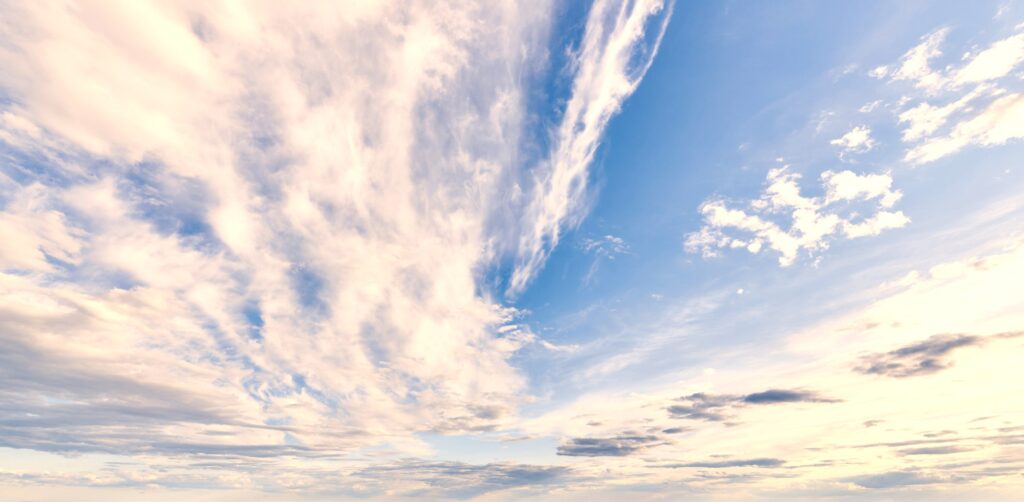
(560, 251)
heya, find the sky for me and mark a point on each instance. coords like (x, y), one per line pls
(498, 250)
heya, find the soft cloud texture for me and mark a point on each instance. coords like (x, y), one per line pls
(311, 252)
(262, 231)
(915, 65)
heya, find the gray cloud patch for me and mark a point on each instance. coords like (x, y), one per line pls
(617, 446)
(773, 396)
(717, 408)
(748, 462)
(701, 406)
(894, 479)
(928, 356)
(934, 450)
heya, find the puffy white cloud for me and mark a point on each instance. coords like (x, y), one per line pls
(850, 186)
(811, 220)
(857, 140)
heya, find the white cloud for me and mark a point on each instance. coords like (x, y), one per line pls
(995, 62)
(925, 119)
(849, 186)
(999, 123)
(812, 220)
(870, 107)
(857, 140)
(981, 72)
(916, 63)
(879, 72)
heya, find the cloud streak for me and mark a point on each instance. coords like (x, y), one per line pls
(616, 446)
(619, 43)
(725, 464)
(982, 77)
(719, 408)
(931, 355)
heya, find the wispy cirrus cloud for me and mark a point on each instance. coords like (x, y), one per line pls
(618, 46)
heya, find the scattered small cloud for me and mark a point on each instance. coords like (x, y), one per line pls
(604, 248)
(857, 140)
(879, 72)
(701, 406)
(814, 221)
(608, 246)
(870, 107)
